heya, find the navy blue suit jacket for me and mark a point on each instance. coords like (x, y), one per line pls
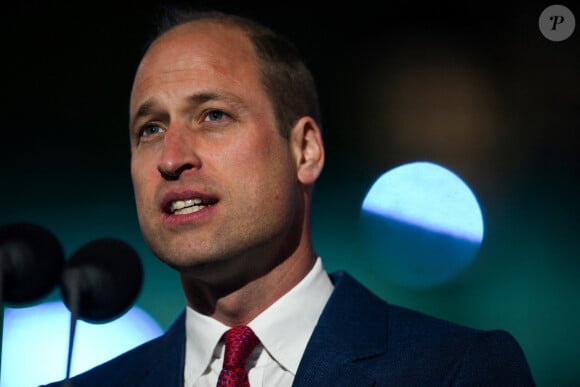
(359, 341)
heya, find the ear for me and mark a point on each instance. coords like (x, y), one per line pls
(308, 150)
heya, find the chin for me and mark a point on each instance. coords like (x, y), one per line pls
(186, 262)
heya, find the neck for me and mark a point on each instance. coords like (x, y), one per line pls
(236, 305)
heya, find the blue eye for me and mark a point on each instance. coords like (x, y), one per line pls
(215, 115)
(150, 130)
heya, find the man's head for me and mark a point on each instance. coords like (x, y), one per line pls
(225, 148)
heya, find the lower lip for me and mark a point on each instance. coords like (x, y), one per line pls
(175, 220)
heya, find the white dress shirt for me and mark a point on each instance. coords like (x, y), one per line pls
(283, 329)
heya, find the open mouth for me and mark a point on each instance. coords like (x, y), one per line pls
(188, 206)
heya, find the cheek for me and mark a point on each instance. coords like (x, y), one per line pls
(277, 183)
(141, 183)
(260, 174)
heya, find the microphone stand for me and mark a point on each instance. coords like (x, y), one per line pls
(74, 305)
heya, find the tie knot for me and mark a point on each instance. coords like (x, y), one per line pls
(240, 341)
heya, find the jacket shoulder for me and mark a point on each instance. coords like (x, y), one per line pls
(419, 349)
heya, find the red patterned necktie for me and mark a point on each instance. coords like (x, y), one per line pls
(240, 342)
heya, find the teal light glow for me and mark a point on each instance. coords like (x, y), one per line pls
(35, 342)
(422, 224)
(429, 196)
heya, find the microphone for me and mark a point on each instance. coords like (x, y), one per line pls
(104, 278)
(31, 262)
(100, 282)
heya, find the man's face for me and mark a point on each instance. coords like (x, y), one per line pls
(214, 180)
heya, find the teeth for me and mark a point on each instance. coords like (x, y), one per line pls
(188, 210)
(188, 206)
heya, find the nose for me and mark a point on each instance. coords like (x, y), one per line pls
(178, 155)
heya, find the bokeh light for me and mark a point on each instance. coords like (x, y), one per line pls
(422, 224)
(35, 342)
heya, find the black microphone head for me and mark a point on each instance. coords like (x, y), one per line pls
(107, 275)
(31, 262)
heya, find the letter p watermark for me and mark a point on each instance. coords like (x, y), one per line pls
(557, 20)
(557, 23)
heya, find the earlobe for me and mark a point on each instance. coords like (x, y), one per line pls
(308, 149)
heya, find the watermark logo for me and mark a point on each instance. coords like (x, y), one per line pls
(557, 23)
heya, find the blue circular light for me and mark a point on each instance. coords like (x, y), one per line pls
(422, 224)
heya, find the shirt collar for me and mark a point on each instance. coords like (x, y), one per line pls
(286, 326)
(203, 334)
(283, 329)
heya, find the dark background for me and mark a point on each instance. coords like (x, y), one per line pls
(473, 86)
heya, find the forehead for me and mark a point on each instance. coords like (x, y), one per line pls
(222, 53)
(197, 35)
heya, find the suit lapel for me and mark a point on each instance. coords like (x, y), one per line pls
(167, 370)
(351, 332)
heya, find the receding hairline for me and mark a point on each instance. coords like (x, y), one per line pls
(216, 18)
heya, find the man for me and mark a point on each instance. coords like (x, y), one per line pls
(226, 147)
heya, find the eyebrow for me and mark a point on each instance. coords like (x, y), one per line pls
(147, 108)
(202, 97)
(151, 106)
